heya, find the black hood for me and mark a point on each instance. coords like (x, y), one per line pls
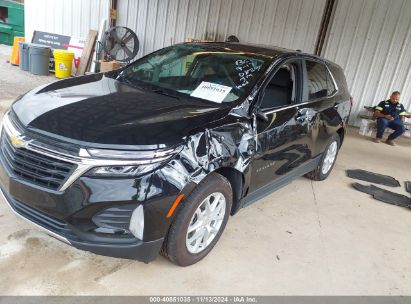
(101, 110)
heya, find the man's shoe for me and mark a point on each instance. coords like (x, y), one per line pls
(390, 142)
(377, 140)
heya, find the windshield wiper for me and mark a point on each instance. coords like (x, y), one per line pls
(162, 92)
(122, 77)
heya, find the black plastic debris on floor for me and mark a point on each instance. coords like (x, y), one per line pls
(384, 195)
(373, 177)
(407, 186)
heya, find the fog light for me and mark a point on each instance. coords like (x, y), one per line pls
(137, 222)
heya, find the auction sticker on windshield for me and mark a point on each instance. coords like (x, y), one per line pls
(211, 91)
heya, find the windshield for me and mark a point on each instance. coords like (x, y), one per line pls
(214, 74)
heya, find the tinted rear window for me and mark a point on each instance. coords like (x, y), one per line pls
(320, 83)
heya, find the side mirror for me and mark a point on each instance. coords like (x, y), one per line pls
(261, 116)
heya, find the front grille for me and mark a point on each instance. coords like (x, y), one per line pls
(40, 218)
(50, 223)
(34, 167)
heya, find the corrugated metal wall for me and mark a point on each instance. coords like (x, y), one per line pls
(158, 23)
(68, 17)
(371, 40)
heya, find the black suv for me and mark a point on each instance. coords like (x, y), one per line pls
(154, 157)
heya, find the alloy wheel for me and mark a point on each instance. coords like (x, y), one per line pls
(205, 222)
(329, 157)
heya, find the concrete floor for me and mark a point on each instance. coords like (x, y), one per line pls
(311, 238)
(13, 81)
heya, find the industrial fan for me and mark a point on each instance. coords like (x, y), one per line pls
(120, 43)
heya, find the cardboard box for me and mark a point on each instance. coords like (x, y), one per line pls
(106, 66)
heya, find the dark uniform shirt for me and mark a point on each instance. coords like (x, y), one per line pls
(388, 108)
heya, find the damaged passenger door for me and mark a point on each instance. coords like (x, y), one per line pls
(283, 146)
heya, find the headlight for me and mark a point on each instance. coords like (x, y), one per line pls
(123, 171)
(128, 163)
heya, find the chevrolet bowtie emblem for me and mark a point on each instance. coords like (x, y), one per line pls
(16, 141)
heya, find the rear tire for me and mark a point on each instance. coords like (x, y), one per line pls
(327, 161)
(200, 221)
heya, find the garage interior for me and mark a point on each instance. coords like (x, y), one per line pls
(369, 39)
(308, 238)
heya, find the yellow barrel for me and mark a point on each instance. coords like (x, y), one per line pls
(63, 60)
(15, 53)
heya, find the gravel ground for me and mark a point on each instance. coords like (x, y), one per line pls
(13, 81)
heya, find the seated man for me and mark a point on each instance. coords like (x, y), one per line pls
(390, 113)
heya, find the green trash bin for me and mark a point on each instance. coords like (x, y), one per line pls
(11, 21)
(6, 34)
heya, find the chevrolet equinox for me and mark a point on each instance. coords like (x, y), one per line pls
(155, 156)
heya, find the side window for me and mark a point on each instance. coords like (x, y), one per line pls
(320, 83)
(330, 84)
(280, 91)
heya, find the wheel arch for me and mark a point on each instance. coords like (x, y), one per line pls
(341, 133)
(236, 179)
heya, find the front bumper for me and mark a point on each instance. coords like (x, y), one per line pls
(43, 183)
(138, 250)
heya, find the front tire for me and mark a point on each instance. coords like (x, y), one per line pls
(327, 161)
(200, 221)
